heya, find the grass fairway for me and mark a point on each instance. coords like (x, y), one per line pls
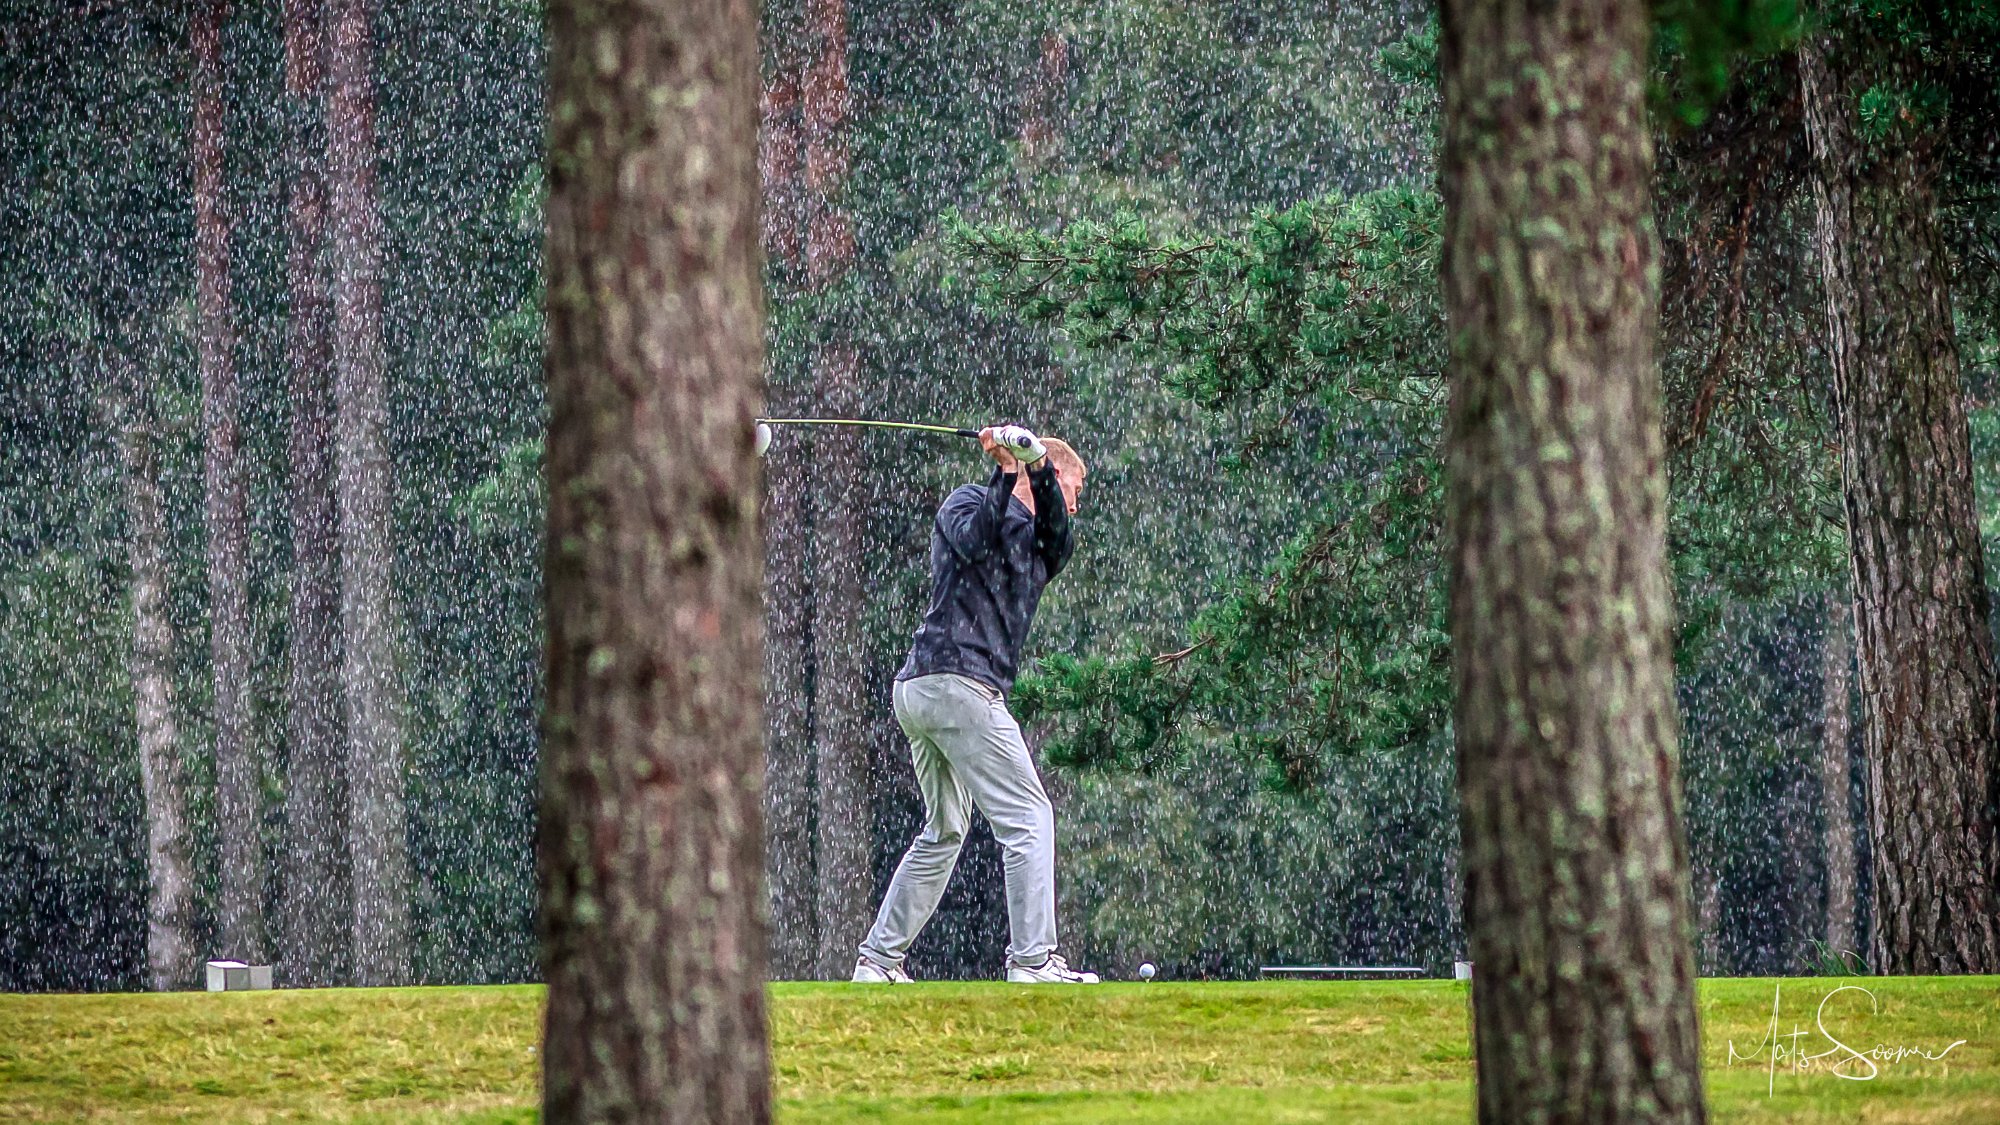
(1291, 1052)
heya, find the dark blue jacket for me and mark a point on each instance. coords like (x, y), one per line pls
(990, 559)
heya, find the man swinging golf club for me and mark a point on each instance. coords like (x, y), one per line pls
(992, 551)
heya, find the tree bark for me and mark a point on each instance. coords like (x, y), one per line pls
(844, 827)
(1922, 640)
(1834, 772)
(651, 834)
(239, 788)
(365, 492)
(318, 899)
(1575, 858)
(171, 953)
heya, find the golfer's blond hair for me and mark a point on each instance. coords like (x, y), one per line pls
(1064, 456)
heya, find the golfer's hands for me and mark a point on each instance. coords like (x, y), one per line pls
(989, 441)
(1021, 443)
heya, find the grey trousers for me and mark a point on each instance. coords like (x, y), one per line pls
(969, 754)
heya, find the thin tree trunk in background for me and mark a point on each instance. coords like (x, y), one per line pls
(788, 786)
(1714, 961)
(824, 111)
(238, 786)
(318, 898)
(651, 830)
(171, 955)
(365, 489)
(1834, 770)
(1798, 889)
(845, 825)
(1043, 99)
(1922, 638)
(788, 782)
(779, 150)
(1575, 857)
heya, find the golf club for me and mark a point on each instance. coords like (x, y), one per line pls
(764, 427)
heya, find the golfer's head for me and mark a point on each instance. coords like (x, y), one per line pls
(1069, 470)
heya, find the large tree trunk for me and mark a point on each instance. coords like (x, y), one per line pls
(651, 833)
(1575, 857)
(366, 493)
(318, 901)
(788, 601)
(171, 955)
(844, 828)
(1922, 641)
(239, 788)
(1834, 772)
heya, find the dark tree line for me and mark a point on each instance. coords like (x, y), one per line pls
(204, 241)
(824, 719)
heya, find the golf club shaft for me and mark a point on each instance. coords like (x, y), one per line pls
(952, 430)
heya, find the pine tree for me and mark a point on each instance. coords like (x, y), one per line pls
(171, 952)
(239, 788)
(318, 899)
(788, 594)
(1879, 115)
(365, 484)
(844, 818)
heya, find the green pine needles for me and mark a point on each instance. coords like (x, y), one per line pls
(1325, 317)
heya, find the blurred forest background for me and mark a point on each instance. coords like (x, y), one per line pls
(1198, 240)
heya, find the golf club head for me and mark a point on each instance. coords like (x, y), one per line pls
(763, 439)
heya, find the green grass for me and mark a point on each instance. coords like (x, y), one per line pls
(1291, 1052)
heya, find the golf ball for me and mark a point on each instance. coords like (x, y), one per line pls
(1146, 971)
(763, 438)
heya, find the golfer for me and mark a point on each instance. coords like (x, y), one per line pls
(992, 551)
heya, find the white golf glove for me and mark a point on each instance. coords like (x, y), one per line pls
(1022, 443)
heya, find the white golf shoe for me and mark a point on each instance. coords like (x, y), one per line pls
(1052, 971)
(868, 971)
